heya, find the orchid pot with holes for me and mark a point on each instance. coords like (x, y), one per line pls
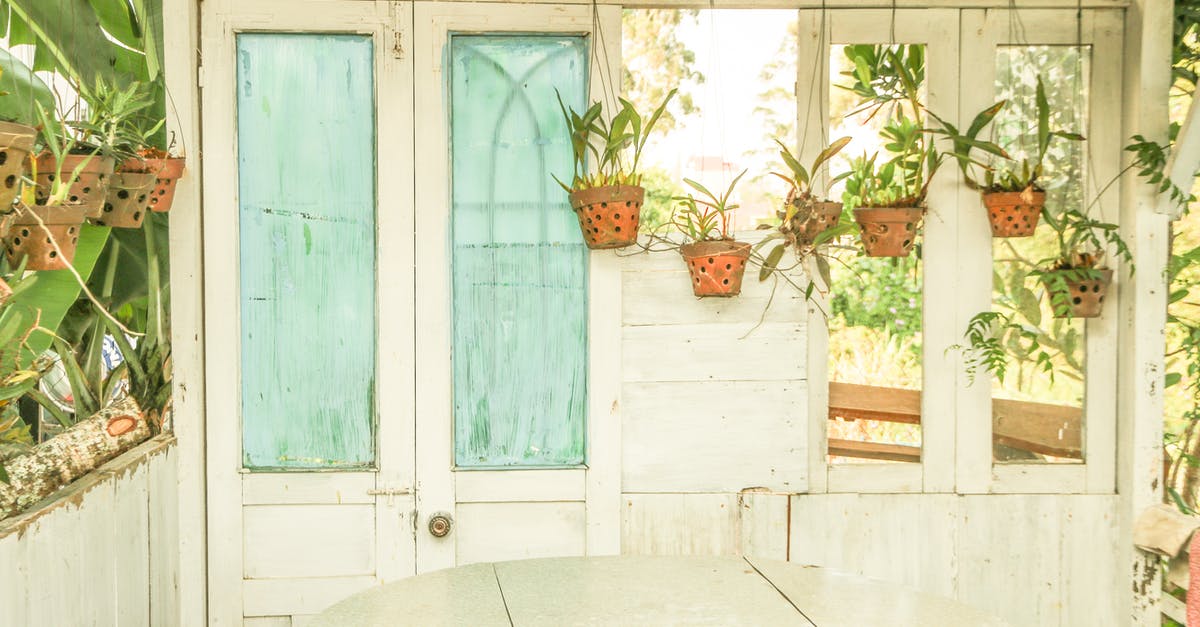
(1076, 280)
(141, 165)
(808, 219)
(715, 261)
(607, 198)
(1014, 190)
(888, 197)
(22, 90)
(47, 224)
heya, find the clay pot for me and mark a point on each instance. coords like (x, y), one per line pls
(888, 231)
(89, 190)
(167, 173)
(16, 141)
(1014, 214)
(716, 266)
(608, 216)
(128, 200)
(1086, 295)
(821, 216)
(28, 238)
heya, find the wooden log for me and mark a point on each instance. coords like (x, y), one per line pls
(77, 451)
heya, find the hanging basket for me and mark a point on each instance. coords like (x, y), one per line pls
(1086, 296)
(88, 191)
(167, 173)
(1014, 214)
(888, 231)
(716, 267)
(28, 238)
(821, 217)
(128, 200)
(16, 141)
(608, 216)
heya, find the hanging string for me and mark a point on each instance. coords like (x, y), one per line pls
(600, 48)
(814, 95)
(715, 65)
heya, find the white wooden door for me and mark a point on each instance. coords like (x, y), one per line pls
(545, 503)
(308, 194)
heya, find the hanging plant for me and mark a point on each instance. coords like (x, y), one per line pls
(48, 220)
(714, 259)
(1076, 280)
(1013, 191)
(608, 200)
(888, 197)
(808, 219)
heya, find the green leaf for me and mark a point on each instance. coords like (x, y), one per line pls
(23, 89)
(78, 46)
(1172, 378)
(772, 262)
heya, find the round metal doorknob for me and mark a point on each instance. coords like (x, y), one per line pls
(440, 525)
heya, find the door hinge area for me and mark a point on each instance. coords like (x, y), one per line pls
(398, 45)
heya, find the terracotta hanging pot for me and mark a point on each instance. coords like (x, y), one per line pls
(821, 217)
(128, 200)
(1086, 295)
(60, 224)
(16, 141)
(1014, 214)
(89, 190)
(888, 231)
(167, 172)
(608, 216)
(716, 267)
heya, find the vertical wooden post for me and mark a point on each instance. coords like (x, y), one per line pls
(1143, 298)
(181, 32)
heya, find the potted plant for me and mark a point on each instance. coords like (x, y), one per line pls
(1076, 280)
(139, 157)
(120, 127)
(46, 228)
(888, 199)
(1013, 191)
(714, 259)
(608, 200)
(807, 214)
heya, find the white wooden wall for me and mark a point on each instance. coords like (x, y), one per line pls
(714, 447)
(102, 552)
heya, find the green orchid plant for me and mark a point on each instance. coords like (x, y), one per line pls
(705, 219)
(1004, 173)
(608, 144)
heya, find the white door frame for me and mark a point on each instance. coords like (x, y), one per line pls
(229, 486)
(440, 487)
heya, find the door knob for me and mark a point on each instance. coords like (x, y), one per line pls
(440, 524)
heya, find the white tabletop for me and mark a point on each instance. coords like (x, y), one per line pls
(607, 591)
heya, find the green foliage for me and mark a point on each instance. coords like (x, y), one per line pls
(659, 202)
(607, 143)
(800, 178)
(120, 120)
(654, 57)
(990, 337)
(881, 293)
(1151, 163)
(21, 91)
(706, 218)
(1026, 173)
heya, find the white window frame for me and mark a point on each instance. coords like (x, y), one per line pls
(956, 429)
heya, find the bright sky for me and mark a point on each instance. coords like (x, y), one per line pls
(731, 47)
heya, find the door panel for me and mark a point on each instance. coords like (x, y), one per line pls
(310, 463)
(518, 385)
(306, 190)
(519, 266)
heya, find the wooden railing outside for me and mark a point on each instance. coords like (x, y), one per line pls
(1038, 428)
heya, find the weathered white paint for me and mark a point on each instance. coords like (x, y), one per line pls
(100, 552)
(696, 477)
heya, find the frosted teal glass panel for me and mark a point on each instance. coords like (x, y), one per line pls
(519, 265)
(306, 185)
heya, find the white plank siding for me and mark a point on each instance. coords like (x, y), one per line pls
(714, 388)
(101, 552)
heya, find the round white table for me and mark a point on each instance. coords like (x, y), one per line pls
(643, 591)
